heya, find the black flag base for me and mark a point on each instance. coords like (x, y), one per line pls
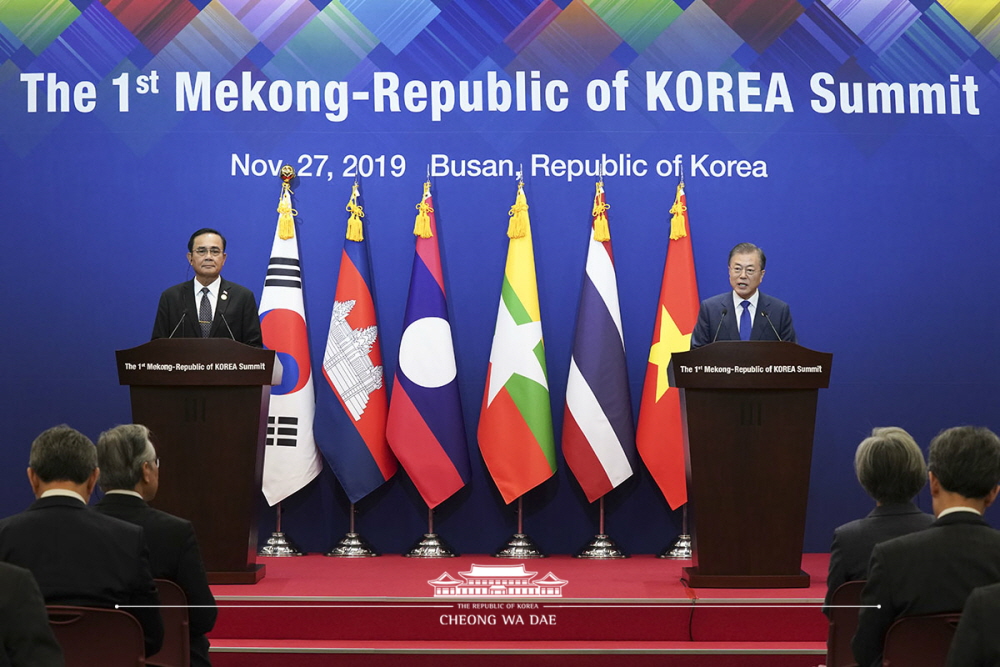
(279, 545)
(431, 546)
(680, 549)
(352, 545)
(601, 547)
(519, 546)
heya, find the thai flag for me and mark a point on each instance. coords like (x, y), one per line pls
(426, 430)
(598, 437)
(351, 405)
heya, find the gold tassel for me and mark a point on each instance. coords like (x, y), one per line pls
(677, 227)
(601, 231)
(354, 230)
(286, 214)
(518, 226)
(422, 225)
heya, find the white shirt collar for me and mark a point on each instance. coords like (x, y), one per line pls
(125, 492)
(952, 510)
(737, 300)
(213, 288)
(63, 492)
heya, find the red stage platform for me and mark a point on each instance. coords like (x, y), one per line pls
(315, 610)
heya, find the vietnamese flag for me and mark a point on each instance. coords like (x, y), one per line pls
(660, 431)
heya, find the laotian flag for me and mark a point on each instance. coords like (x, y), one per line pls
(425, 429)
(352, 405)
(598, 439)
(290, 457)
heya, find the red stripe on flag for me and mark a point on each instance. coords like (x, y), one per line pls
(438, 479)
(511, 451)
(583, 461)
(429, 250)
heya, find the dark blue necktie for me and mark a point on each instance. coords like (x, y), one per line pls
(745, 320)
(205, 313)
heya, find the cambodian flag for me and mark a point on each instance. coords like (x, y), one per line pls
(426, 430)
(351, 405)
(598, 434)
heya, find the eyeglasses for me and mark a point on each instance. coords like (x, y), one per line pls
(214, 251)
(155, 462)
(738, 270)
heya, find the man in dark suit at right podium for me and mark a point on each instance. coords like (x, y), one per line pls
(209, 306)
(745, 313)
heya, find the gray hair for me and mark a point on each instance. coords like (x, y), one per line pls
(890, 465)
(121, 451)
(61, 454)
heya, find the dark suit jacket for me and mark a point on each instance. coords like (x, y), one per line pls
(853, 542)
(81, 557)
(173, 555)
(238, 310)
(710, 316)
(931, 571)
(977, 641)
(26, 640)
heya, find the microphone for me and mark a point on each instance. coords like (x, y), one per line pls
(226, 322)
(178, 325)
(725, 311)
(764, 313)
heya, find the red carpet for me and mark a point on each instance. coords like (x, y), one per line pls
(315, 610)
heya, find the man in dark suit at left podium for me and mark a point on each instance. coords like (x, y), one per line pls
(209, 306)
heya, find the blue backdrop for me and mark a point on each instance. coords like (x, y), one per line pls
(868, 130)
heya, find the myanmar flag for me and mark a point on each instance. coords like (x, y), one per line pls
(515, 425)
(660, 432)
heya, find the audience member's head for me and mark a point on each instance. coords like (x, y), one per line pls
(128, 460)
(965, 460)
(62, 457)
(890, 465)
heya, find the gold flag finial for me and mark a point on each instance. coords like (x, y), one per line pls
(354, 230)
(518, 226)
(678, 229)
(422, 225)
(286, 214)
(601, 231)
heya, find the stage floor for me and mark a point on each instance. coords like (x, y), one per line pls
(316, 603)
(642, 577)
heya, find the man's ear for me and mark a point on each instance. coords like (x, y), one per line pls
(992, 495)
(933, 483)
(34, 481)
(92, 482)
